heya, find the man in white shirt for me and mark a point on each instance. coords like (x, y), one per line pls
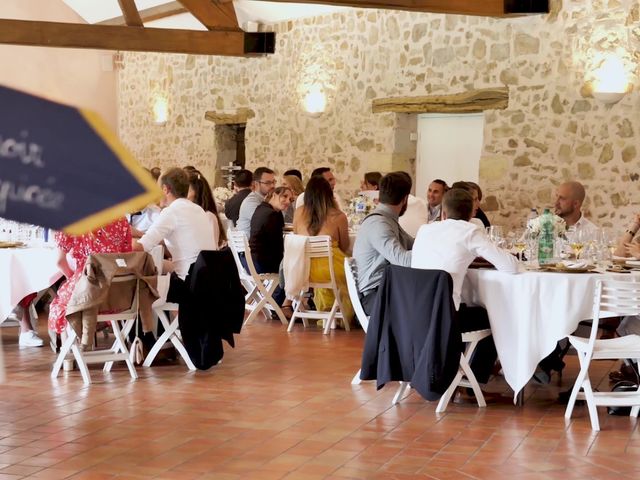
(451, 245)
(264, 181)
(569, 199)
(435, 192)
(185, 227)
(328, 175)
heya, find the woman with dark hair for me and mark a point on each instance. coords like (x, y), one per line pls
(200, 194)
(320, 215)
(480, 215)
(371, 181)
(267, 229)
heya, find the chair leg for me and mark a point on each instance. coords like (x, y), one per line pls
(591, 405)
(356, 379)
(179, 346)
(82, 365)
(471, 378)
(446, 397)
(576, 387)
(400, 392)
(257, 309)
(332, 317)
(65, 348)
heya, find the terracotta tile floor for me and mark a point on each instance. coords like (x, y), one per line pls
(281, 406)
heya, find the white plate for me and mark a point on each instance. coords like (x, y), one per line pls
(616, 257)
(633, 263)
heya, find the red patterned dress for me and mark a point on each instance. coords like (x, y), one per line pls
(112, 238)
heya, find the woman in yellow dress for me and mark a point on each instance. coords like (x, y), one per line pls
(319, 215)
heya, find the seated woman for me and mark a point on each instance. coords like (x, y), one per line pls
(371, 181)
(295, 185)
(267, 229)
(320, 215)
(200, 194)
(112, 238)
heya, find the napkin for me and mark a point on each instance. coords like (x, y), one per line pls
(575, 264)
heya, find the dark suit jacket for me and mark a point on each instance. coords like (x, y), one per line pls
(211, 303)
(232, 206)
(413, 333)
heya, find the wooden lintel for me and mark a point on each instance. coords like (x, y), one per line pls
(130, 13)
(107, 37)
(241, 116)
(213, 14)
(488, 8)
(473, 101)
(150, 14)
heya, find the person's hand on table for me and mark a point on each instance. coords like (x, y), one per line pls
(632, 249)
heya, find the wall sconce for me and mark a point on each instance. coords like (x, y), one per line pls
(315, 101)
(160, 110)
(610, 81)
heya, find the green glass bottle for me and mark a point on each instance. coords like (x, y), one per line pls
(545, 238)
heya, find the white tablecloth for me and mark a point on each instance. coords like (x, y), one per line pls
(529, 313)
(24, 271)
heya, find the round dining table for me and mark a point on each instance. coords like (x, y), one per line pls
(529, 313)
(24, 271)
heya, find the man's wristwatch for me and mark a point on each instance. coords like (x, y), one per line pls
(631, 232)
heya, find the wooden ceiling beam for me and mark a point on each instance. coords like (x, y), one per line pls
(150, 14)
(213, 14)
(107, 37)
(488, 8)
(130, 13)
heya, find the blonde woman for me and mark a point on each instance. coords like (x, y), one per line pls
(294, 184)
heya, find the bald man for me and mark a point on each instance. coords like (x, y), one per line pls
(569, 199)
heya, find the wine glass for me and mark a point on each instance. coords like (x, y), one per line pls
(577, 240)
(520, 242)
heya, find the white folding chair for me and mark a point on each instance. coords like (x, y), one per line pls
(266, 283)
(319, 247)
(171, 328)
(612, 298)
(352, 286)
(117, 352)
(236, 241)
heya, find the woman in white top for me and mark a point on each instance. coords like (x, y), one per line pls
(200, 194)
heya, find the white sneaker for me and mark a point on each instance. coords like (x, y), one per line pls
(30, 339)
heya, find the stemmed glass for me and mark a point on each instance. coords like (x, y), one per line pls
(577, 239)
(520, 242)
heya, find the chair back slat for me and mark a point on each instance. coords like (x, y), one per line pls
(351, 274)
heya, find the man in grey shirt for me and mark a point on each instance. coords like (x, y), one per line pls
(381, 240)
(264, 181)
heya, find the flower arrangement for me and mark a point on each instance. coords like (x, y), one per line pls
(221, 195)
(559, 226)
(359, 207)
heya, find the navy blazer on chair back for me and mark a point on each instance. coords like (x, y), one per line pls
(413, 333)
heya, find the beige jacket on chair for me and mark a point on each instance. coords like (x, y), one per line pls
(94, 293)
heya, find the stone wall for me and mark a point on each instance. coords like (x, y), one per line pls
(551, 131)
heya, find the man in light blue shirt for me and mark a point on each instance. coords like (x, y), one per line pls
(381, 240)
(264, 181)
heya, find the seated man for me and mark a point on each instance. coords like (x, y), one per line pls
(569, 199)
(435, 192)
(381, 240)
(242, 181)
(328, 175)
(451, 245)
(185, 227)
(264, 182)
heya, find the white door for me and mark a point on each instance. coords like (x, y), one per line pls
(449, 147)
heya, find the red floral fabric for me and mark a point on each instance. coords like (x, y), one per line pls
(112, 238)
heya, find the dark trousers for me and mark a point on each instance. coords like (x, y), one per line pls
(368, 300)
(279, 294)
(485, 356)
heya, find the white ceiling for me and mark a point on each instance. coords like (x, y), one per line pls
(94, 11)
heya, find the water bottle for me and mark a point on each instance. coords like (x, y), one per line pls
(545, 238)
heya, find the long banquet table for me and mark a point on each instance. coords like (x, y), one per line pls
(529, 313)
(24, 271)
